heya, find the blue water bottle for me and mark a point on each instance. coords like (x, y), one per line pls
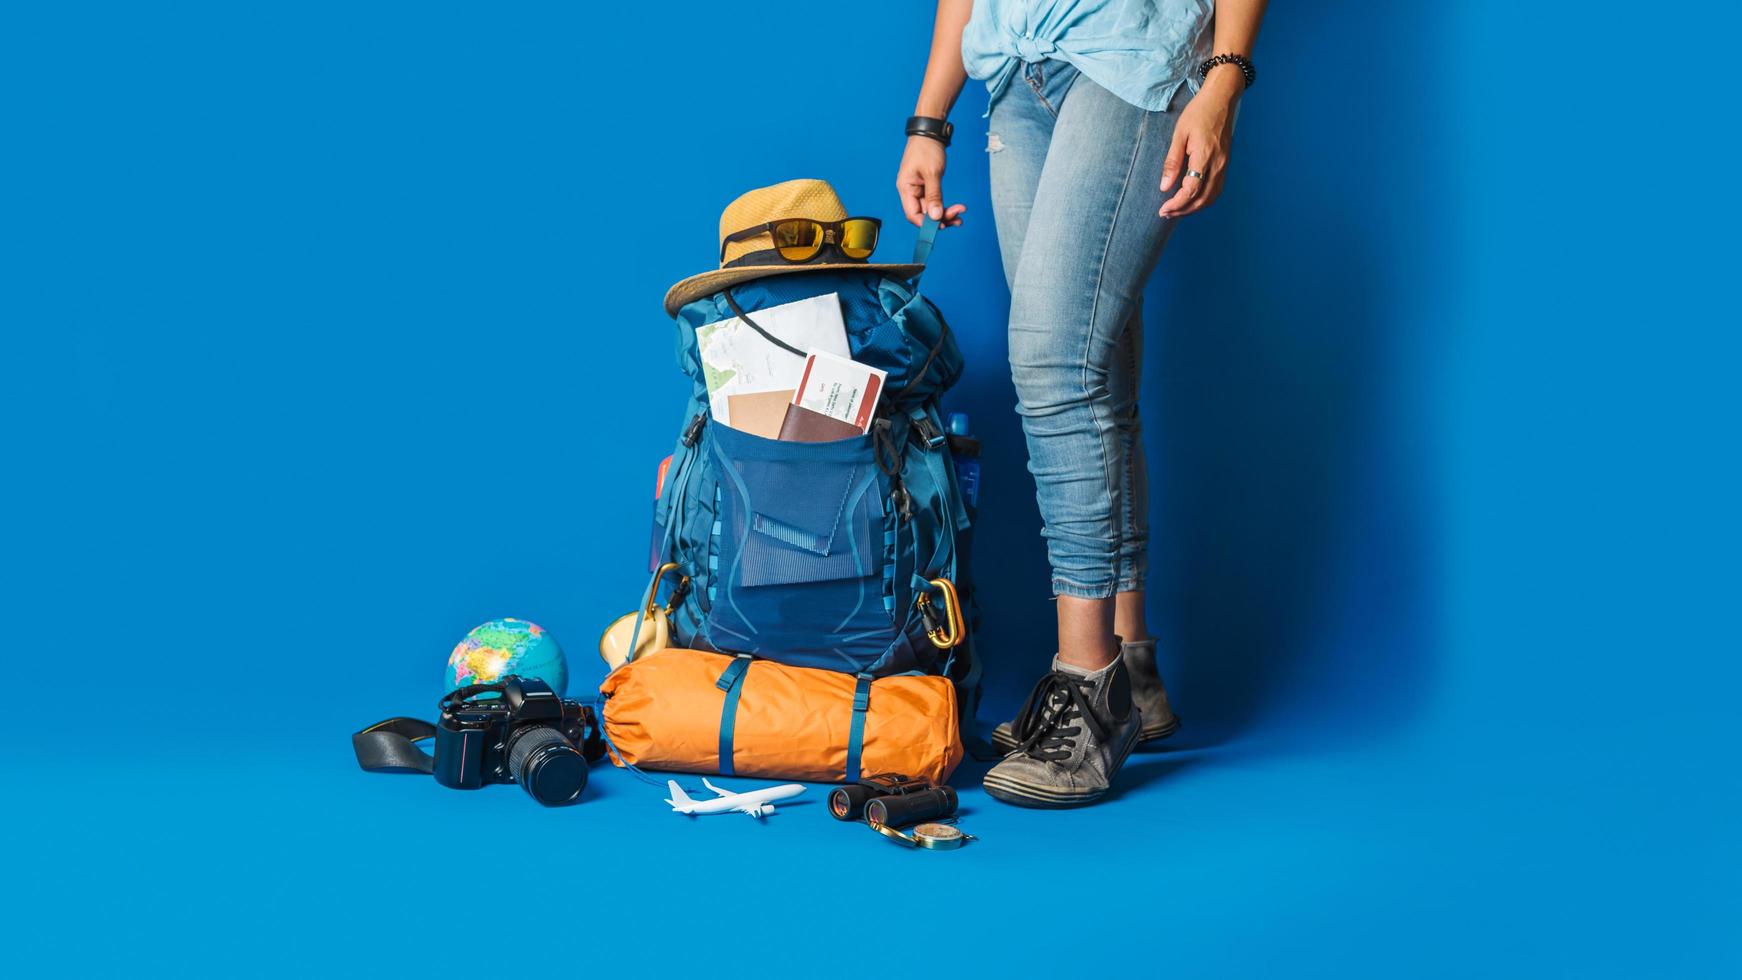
(966, 450)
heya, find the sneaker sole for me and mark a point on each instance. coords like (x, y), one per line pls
(1160, 732)
(1022, 793)
(1006, 744)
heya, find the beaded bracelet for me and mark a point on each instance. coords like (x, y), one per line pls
(1239, 61)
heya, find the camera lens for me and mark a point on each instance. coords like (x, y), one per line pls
(547, 765)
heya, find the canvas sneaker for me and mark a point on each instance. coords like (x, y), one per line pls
(1148, 692)
(1073, 735)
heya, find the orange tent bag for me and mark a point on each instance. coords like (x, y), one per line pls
(692, 711)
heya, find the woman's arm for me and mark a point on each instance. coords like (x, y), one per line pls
(919, 180)
(1205, 130)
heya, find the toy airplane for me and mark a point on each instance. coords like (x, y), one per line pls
(757, 803)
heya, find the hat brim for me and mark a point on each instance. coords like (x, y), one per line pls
(709, 283)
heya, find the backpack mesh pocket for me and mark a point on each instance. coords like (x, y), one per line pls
(800, 552)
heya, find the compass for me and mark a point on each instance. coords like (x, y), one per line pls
(931, 836)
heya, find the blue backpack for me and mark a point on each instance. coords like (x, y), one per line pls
(849, 555)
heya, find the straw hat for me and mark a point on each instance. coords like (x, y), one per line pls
(752, 258)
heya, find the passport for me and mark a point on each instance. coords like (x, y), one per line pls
(804, 425)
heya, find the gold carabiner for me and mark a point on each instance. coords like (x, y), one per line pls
(950, 632)
(677, 593)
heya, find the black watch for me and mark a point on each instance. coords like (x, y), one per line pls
(930, 126)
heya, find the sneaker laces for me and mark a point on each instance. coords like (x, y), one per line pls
(1046, 725)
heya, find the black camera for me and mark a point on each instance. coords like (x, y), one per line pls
(892, 800)
(525, 734)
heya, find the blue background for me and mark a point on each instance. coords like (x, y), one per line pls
(332, 330)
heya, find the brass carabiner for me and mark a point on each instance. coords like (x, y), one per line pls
(950, 632)
(677, 593)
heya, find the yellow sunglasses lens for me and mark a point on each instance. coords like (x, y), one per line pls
(798, 240)
(859, 238)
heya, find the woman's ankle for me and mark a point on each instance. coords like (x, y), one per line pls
(1086, 637)
(1128, 619)
(1090, 658)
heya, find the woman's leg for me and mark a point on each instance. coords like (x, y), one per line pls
(1085, 621)
(1091, 241)
(1018, 140)
(1129, 621)
(1092, 237)
(1136, 646)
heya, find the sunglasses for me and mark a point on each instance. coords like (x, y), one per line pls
(800, 239)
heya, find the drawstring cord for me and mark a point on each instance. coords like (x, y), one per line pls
(617, 753)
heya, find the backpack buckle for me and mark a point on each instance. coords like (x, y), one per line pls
(693, 431)
(928, 431)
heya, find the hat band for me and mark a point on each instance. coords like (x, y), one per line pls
(827, 255)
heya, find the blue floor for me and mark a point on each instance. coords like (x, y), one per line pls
(1214, 859)
(1257, 856)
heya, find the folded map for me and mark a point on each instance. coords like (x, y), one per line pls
(738, 360)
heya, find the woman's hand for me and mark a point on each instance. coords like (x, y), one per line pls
(920, 183)
(1201, 140)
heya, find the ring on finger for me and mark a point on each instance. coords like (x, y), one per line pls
(1193, 173)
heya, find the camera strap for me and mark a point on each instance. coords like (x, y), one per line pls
(391, 746)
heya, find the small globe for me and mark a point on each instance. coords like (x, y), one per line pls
(508, 646)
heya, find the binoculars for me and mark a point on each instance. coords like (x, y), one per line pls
(892, 800)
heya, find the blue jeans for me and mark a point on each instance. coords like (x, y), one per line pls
(1075, 191)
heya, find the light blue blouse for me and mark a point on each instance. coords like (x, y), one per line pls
(1140, 50)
